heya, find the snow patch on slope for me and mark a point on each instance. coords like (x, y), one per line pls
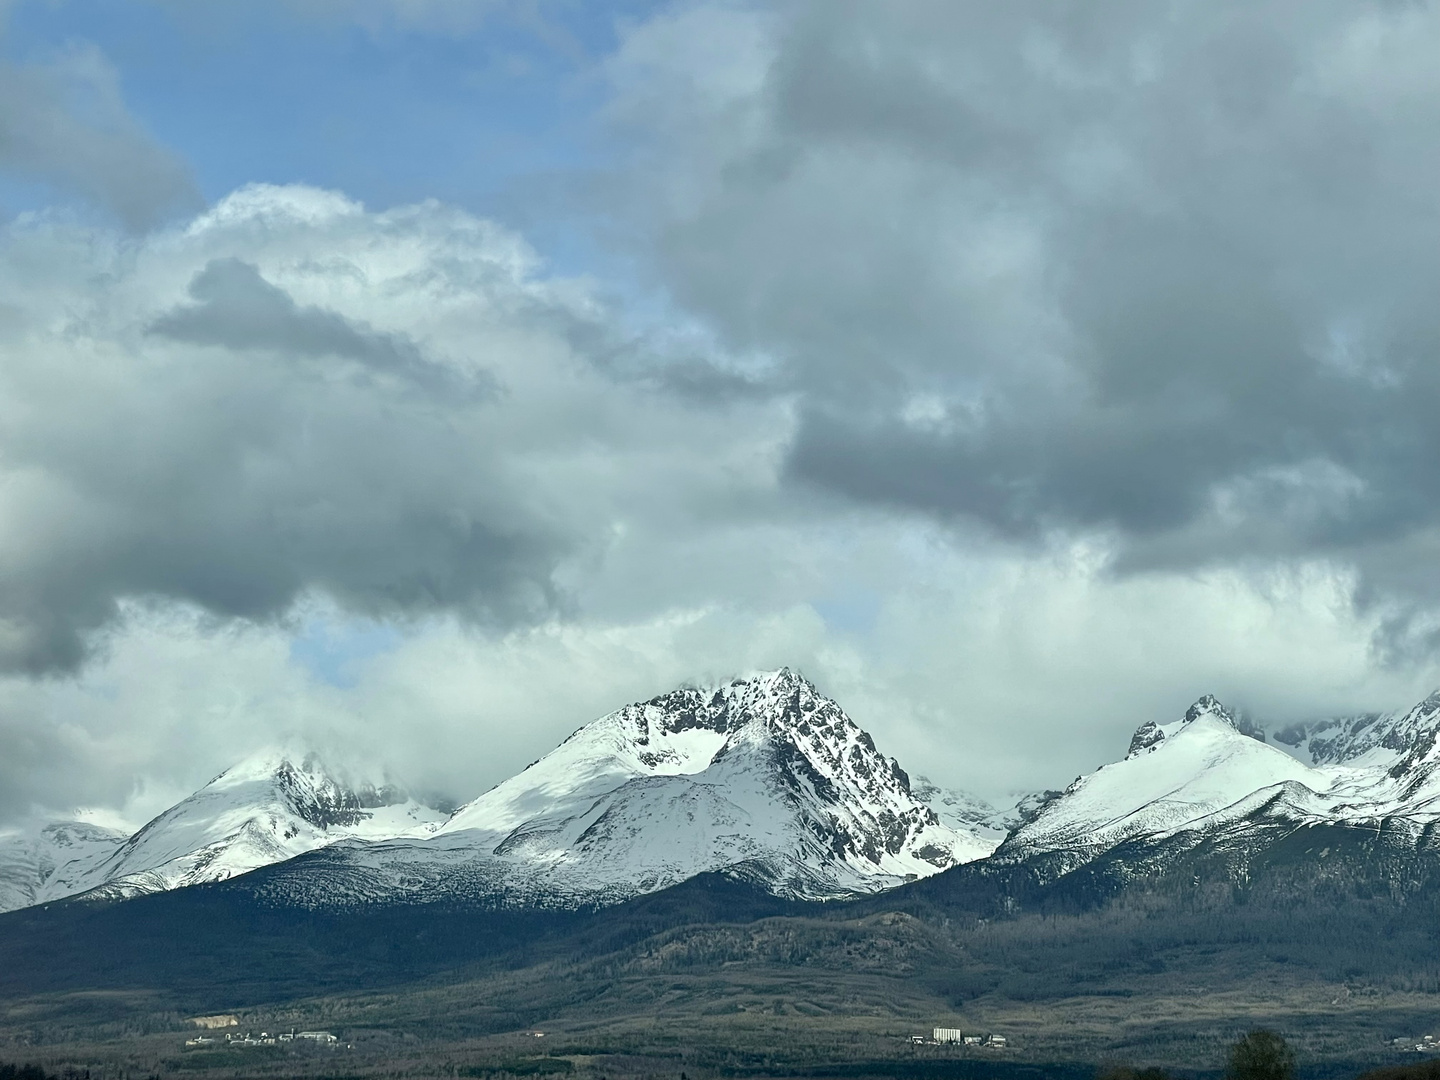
(965, 812)
(44, 857)
(1367, 739)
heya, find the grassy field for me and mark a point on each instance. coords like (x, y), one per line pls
(754, 1023)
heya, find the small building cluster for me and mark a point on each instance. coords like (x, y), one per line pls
(265, 1038)
(1426, 1044)
(957, 1037)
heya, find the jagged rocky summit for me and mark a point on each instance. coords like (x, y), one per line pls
(762, 777)
(1395, 740)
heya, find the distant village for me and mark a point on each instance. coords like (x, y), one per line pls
(265, 1038)
(957, 1037)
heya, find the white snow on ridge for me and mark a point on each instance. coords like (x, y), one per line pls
(595, 760)
(1366, 741)
(762, 777)
(1175, 776)
(1201, 774)
(965, 812)
(271, 807)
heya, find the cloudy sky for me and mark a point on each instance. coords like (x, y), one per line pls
(423, 378)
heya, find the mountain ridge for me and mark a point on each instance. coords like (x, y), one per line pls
(277, 803)
(1206, 775)
(762, 778)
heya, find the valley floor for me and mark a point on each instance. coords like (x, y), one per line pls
(778, 996)
(759, 1024)
(715, 979)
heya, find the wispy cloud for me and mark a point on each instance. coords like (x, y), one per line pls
(65, 123)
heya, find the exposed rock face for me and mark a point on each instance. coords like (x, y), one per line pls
(1406, 737)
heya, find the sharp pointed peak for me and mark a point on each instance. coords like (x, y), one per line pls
(1209, 705)
(1147, 736)
(774, 677)
(771, 682)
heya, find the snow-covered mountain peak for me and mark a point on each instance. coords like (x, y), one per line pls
(1208, 705)
(1414, 737)
(272, 806)
(961, 810)
(1149, 735)
(692, 725)
(761, 705)
(762, 770)
(785, 708)
(40, 856)
(762, 776)
(298, 777)
(685, 732)
(1174, 775)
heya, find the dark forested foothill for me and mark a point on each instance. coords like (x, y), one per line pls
(27, 1072)
(1420, 1070)
(721, 978)
(1125, 1072)
(1261, 1055)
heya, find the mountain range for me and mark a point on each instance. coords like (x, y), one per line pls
(761, 778)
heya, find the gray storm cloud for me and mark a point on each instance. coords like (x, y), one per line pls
(1164, 273)
(223, 453)
(239, 310)
(966, 306)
